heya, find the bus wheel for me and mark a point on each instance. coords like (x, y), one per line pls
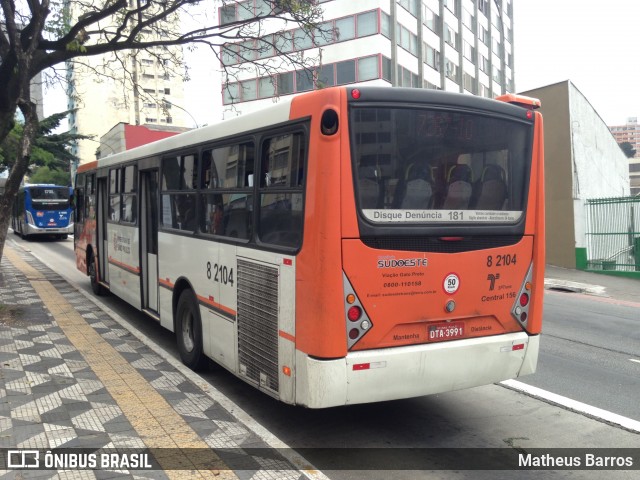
(93, 276)
(63, 236)
(189, 331)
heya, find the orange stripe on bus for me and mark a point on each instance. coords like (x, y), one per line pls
(124, 266)
(217, 306)
(287, 336)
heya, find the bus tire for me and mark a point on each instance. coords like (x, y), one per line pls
(96, 288)
(64, 236)
(189, 331)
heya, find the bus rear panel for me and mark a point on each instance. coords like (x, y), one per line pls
(43, 210)
(441, 250)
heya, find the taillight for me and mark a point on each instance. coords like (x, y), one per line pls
(354, 313)
(520, 310)
(358, 322)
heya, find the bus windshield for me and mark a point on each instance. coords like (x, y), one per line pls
(49, 198)
(439, 166)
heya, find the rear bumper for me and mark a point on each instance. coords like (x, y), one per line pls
(413, 371)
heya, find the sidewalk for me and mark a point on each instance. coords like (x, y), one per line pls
(72, 377)
(602, 285)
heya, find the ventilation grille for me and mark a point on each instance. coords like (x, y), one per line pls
(434, 244)
(258, 324)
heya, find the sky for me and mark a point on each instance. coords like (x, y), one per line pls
(592, 44)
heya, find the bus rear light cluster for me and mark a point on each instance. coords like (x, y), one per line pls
(358, 323)
(520, 310)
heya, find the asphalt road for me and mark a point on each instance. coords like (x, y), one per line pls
(585, 355)
(590, 352)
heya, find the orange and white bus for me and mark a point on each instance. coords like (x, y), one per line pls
(343, 246)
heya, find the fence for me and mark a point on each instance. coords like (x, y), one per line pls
(613, 235)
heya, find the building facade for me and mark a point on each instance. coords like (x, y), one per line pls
(461, 46)
(137, 88)
(582, 162)
(630, 132)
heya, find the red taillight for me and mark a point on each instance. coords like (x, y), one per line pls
(355, 94)
(354, 333)
(354, 313)
(524, 299)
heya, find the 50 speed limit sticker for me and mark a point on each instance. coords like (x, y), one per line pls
(451, 283)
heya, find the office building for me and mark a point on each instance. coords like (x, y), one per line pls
(461, 46)
(137, 88)
(630, 132)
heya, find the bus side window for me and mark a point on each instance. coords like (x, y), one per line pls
(281, 209)
(78, 208)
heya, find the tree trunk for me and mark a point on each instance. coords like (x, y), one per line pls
(18, 170)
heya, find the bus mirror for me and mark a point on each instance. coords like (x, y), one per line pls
(329, 122)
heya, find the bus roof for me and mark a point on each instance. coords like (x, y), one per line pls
(271, 115)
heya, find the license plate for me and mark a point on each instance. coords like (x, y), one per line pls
(446, 331)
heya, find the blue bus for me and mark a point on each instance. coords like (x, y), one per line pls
(43, 210)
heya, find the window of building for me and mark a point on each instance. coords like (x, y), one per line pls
(468, 51)
(324, 34)
(406, 39)
(249, 90)
(451, 70)
(410, 5)
(430, 19)
(367, 23)
(368, 68)
(266, 87)
(345, 72)
(385, 24)
(302, 40)
(431, 57)
(468, 82)
(326, 75)
(345, 29)
(467, 20)
(231, 93)
(450, 36)
(304, 80)
(284, 42)
(285, 83)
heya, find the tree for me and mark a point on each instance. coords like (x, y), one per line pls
(45, 174)
(51, 150)
(628, 149)
(39, 36)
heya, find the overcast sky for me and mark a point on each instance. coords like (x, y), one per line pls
(593, 44)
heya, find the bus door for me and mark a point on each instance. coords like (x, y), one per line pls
(102, 194)
(149, 239)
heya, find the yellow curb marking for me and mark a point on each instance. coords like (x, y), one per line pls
(157, 423)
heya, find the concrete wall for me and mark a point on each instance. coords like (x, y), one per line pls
(560, 241)
(582, 161)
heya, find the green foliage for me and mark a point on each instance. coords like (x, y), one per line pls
(45, 174)
(49, 149)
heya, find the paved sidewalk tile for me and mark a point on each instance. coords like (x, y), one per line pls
(53, 395)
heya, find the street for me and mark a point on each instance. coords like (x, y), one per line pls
(586, 355)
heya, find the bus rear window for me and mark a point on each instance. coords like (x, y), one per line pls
(50, 198)
(437, 166)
